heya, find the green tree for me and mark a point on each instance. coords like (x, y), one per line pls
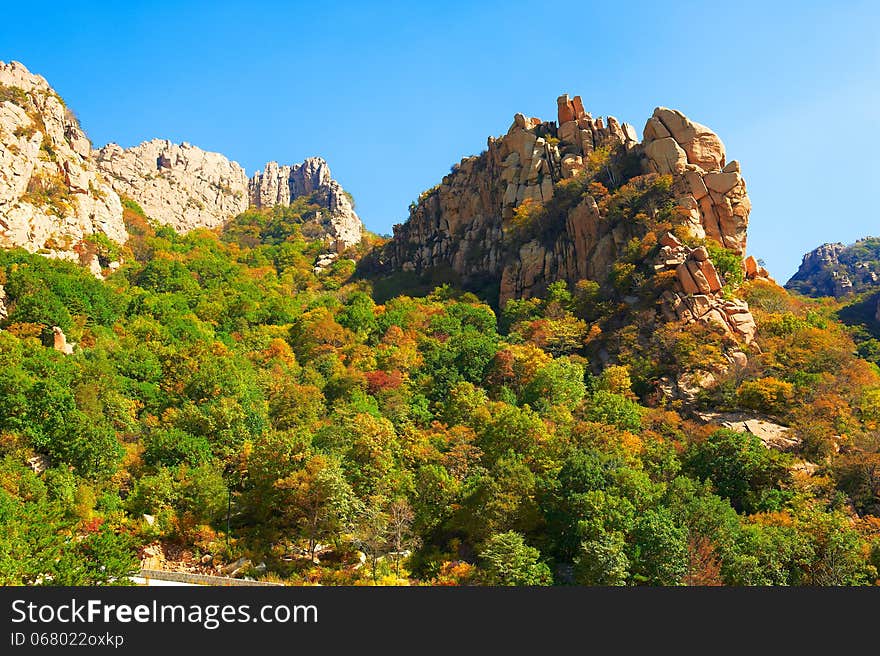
(508, 560)
(660, 551)
(602, 561)
(317, 500)
(610, 408)
(740, 468)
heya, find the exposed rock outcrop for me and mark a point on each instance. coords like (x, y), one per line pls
(698, 294)
(177, 184)
(60, 342)
(279, 185)
(771, 434)
(465, 223)
(462, 222)
(51, 194)
(838, 270)
(186, 187)
(55, 191)
(703, 180)
(755, 271)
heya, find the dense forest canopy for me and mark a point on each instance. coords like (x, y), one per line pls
(220, 379)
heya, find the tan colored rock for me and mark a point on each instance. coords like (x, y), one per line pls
(744, 324)
(51, 196)
(700, 254)
(711, 275)
(732, 167)
(338, 222)
(566, 111)
(654, 130)
(572, 165)
(703, 147)
(570, 132)
(700, 304)
(751, 266)
(771, 434)
(696, 270)
(60, 341)
(696, 185)
(687, 210)
(716, 318)
(465, 223)
(721, 182)
(179, 185)
(688, 284)
(666, 156)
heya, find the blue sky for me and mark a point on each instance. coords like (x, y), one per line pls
(392, 94)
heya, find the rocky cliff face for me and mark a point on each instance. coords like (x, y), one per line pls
(838, 270)
(52, 196)
(279, 185)
(469, 222)
(55, 191)
(177, 184)
(711, 190)
(698, 294)
(461, 222)
(186, 187)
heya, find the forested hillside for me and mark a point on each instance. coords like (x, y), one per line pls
(423, 440)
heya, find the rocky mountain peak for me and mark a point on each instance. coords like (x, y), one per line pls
(279, 185)
(179, 185)
(838, 270)
(55, 191)
(554, 178)
(52, 198)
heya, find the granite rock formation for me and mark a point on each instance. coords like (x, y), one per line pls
(52, 196)
(703, 179)
(838, 270)
(55, 191)
(176, 184)
(279, 185)
(698, 296)
(464, 223)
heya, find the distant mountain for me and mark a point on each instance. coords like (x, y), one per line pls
(838, 270)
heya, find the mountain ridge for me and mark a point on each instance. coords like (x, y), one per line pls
(56, 193)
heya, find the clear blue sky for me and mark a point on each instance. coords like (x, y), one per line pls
(392, 94)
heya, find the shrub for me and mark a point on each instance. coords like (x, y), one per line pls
(508, 560)
(765, 395)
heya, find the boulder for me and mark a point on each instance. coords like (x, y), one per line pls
(771, 434)
(721, 182)
(703, 147)
(60, 342)
(654, 130)
(686, 280)
(751, 267)
(710, 273)
(696, 270)
(666, 156)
